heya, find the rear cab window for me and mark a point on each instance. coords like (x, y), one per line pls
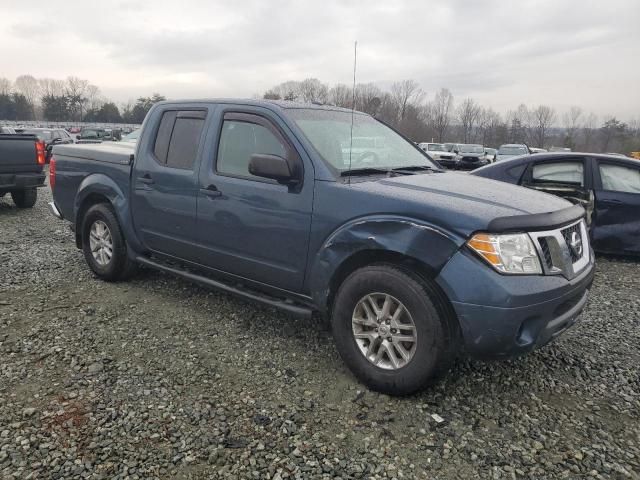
(178, 138)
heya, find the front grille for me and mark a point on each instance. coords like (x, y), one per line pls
(546, 252)
(563, 251)
(568, 234)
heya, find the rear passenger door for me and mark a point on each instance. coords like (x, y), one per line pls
(616, 227)
(165, 183)
(568, 178)
(250, 226)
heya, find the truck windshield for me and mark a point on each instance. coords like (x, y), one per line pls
(374, 144)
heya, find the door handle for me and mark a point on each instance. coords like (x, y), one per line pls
(146, 179)
(211, 191)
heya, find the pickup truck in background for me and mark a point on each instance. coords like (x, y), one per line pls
(22, 158)
(412, 265)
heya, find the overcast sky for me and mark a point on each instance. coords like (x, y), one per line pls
(501, 52)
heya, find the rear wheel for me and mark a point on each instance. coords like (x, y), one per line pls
(103, 244)
(25, 198)
(389, 331)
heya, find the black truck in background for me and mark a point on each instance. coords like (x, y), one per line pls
(22, 158)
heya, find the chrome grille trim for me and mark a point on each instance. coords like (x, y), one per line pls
(556, 255)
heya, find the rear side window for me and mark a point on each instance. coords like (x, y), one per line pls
(619, 178)
(178, 138)
(559, 172)
(239, 140)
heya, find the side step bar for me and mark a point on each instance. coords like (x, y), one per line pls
(292, 308)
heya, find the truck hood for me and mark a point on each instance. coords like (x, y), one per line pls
(463, 203)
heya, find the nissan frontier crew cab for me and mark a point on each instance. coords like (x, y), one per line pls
(413, 265)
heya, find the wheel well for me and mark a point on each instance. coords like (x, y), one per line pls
(410, 265)
(91, 200)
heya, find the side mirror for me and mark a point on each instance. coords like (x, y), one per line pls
(271, 166)
(455, 150)
(56, 141)
(77, 137)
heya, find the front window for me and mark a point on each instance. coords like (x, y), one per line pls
(471, 149)
(329, 132)
(512, 151)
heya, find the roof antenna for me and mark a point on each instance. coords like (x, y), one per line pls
(353, 103)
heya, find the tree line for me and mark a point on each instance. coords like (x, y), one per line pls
(70, 100)
(408, 108)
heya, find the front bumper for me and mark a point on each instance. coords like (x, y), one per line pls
(447, 162)
(507, 315)
(467, 165)
(20, 181)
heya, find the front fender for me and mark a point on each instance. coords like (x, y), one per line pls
(104, 186)
(428, 244)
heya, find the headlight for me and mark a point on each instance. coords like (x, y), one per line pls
(509, 253)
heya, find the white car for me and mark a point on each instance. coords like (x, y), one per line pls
(439, 152)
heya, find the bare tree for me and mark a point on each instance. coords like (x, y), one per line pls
(368, 98)
(5, 86)
(588, 131)
(571, 122)
(543, 119)
(341, 96)
(442, 111)
(313, 90)
(404, 93)
(468, 114)
(488, 123)
(28, 86)
(94, 98)
(76, 90)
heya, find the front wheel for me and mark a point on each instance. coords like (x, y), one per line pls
(388, 330)
(103, 244)
(25, 198)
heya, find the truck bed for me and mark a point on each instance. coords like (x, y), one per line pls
(119, 153)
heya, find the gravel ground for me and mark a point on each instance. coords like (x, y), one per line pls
(158, 378)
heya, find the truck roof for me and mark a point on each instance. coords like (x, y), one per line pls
(279, 104)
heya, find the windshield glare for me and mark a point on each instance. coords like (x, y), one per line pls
(436, 147)
(471, 149)
(374, 144)
(512, 151)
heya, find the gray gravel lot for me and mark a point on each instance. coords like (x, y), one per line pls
(158, 378)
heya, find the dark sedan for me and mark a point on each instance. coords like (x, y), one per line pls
(470, 157)
(607, 186)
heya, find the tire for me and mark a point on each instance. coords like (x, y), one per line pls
(431, 353)
(116, 267)
(25, 198)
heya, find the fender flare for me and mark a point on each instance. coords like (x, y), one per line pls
(426, 243)
(105, 186)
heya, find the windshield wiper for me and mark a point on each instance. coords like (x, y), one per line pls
(416, 168)
(365, 171)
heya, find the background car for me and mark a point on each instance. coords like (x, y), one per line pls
(607, 186)
(470, 157)
(50, 137)
(537, 150)
(439, 153)
(509, 150)
(491, 154)
(91, 135)
(7, 130)
(132, 137)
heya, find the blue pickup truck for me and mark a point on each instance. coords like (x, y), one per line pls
(268, 200)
